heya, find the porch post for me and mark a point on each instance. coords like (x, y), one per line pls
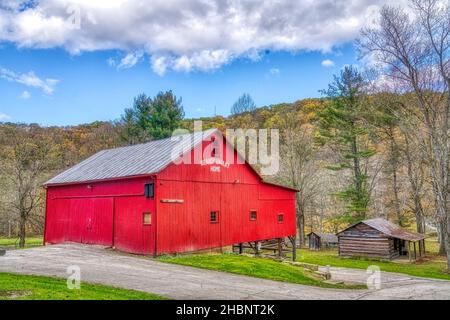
(415, 251)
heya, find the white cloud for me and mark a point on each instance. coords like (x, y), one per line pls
(128, 61)
(29, 79)
(159, 65)
(25, 95)
(185, 35)
(274, 71)
(327, 63)
(4, 117)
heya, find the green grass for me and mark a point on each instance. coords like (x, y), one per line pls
(23, 287)
(14, 242)
(253, 266)
(433, 266)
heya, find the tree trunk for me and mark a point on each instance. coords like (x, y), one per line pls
(9, 228)
(394, 161)
(418, 212)
(358, 178)
(420, 224)
(442, 248)
(301, 226)
(22, 232)
(396, 196)
(447, 243)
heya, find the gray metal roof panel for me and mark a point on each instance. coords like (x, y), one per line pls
(393, 230)
(133, 160)
(390, 229)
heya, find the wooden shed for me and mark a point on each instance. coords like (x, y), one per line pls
(379, 238)
(319, 240)
(144, 199)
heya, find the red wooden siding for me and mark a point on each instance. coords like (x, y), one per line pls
(111, 212)
(107, 213)
(233, 191)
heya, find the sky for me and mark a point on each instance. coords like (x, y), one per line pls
(67, 62)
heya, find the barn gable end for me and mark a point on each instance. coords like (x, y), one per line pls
(231, 189)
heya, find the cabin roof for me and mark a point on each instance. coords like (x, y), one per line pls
(390, 229)
(327, 237)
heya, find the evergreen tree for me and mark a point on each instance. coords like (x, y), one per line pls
(341, 126)
(151, 119)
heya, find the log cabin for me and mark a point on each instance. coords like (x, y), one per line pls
(380, 238)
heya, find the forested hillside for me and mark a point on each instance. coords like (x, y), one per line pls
(31, 154)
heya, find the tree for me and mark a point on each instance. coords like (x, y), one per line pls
(27, 154)
(415, 53)
(243, 104)
(298, 167)
(150, 119)
(386, 126)
(342, 126)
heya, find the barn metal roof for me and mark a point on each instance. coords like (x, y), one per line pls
(134, 160)
(391, 229)
(327, 237)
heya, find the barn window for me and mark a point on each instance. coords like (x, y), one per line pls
(147, 218)
(214, 217)
(215, 146)
(149, 190)
(280, 217)
(253, 215)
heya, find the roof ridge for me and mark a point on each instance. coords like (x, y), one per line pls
(158, 140)
(143, 159)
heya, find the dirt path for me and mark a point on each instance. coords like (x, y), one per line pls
(100, 265)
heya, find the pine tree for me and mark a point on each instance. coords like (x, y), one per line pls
(151, 119)
(341, 126)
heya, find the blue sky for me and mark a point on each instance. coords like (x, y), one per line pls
(89, 89)
(64, 62)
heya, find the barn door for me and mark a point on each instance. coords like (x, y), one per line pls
(134, 219)
(99, 222)
(91, 221)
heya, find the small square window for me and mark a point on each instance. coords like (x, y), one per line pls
(147, 218)
(214, 217)
(253, 215)
(280, 218)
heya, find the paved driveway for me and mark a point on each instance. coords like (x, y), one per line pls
(106, 266)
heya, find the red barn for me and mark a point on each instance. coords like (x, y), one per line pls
(137, 199)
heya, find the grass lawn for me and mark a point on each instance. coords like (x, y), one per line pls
(14, 242)
(252, 266)
(13, 286)
(433, 266)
